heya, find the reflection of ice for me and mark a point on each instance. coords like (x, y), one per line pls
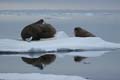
(37, 76)
(84, 53)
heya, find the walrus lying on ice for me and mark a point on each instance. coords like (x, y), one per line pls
(38, 30)
(79, 32)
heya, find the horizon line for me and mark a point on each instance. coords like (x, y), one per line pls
(69, 9)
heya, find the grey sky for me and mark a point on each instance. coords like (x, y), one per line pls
(60, 4)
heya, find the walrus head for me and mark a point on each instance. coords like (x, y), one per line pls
(41, 21)
(77, 28)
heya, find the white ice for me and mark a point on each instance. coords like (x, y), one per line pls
(58, 42)
(37, 76)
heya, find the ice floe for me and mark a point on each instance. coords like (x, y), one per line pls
(58, 44)
(37, 76)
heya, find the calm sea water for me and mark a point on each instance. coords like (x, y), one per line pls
(105, 24)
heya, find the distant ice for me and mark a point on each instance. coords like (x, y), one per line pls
(89, 14)
(54, 14)
(37, 76)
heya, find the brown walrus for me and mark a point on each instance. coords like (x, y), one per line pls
(40, 61)
(79, 32)
(38, 30)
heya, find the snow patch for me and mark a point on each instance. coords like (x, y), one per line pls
(37, 76)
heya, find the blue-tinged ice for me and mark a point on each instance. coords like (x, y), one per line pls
(37, 76)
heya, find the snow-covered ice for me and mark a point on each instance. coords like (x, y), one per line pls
(92, 43)
(53, 44)
(37, 76)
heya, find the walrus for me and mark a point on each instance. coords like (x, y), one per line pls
(38, 30)
(41, 61)
(79, 32)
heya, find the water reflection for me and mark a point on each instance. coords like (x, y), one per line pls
(79, 58)
(44, 60)
(41, 61)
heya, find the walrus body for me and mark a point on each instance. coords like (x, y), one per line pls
(79, 32)
(47, 31)
(38, 30)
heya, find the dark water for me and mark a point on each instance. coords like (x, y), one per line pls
(103, 24)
